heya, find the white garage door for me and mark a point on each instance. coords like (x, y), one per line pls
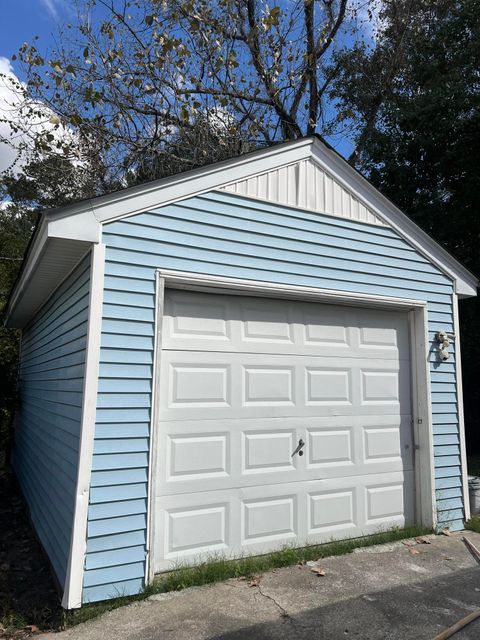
(244, 381)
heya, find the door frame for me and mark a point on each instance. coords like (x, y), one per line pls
(425, 509)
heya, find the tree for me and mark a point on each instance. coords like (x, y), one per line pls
(134, 73)
(421, 145)
(16, 225)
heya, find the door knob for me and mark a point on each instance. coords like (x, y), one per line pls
(299, 448)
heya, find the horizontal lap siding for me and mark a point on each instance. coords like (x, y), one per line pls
(48, 421)
(223, 234)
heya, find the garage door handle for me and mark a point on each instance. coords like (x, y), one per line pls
(299, 448)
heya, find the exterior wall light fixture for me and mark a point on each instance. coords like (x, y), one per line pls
(443, 338)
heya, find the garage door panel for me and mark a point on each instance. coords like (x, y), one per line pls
(206, 322)
(197, 456)
(269, 519)
(252, 520)
(384, 332)
(258, 323)
(385, 502)
(331, 512)
(267, 384)
(196, 318)
(194, 384)
(268, 451)
(205, 455)
(200, 527)
(328, 385)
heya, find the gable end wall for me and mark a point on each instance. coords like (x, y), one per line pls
(228, 235)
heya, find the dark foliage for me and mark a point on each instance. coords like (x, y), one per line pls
(424, 148)
(16, 225)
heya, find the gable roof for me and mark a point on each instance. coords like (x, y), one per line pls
(64, 235)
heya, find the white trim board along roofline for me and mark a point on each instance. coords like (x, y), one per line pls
(65, 234)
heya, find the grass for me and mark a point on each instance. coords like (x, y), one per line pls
(28, 595)
(473, 524)
(218, 569)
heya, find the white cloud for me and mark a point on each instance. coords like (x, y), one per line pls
(52, 7)
(8, 100)
(32, 117)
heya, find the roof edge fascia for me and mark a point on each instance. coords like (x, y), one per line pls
(83, 220)
(80, 225)
(174, 188)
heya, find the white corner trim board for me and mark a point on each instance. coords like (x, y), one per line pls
(425, 510)
(72, 597)
(152, 458)
(461, 420)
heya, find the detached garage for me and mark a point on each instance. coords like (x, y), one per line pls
(258, 353)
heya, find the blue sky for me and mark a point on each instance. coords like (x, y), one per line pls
(22, 20)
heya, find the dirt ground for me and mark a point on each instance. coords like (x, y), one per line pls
(28, 596)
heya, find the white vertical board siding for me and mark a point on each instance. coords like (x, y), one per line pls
(227, 235)
(52, 367)
(305, 185)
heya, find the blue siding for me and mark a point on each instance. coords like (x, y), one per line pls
(47, 434)
(228, 235)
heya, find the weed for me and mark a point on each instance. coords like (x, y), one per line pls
(218, 568)
(473, 524)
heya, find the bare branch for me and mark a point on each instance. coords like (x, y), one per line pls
(320, 48)
(289, 126)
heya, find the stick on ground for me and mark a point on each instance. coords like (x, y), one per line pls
(447, 633)
(472, 548)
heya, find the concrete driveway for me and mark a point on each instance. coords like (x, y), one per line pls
(389, 592)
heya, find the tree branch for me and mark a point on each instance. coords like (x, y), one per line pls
(319, 50)
(289, 126)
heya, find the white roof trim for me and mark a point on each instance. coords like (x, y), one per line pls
(185, 185)
(82, 222)
(43, 269)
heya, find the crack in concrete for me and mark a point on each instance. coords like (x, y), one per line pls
(297, 626)
(279, 606)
